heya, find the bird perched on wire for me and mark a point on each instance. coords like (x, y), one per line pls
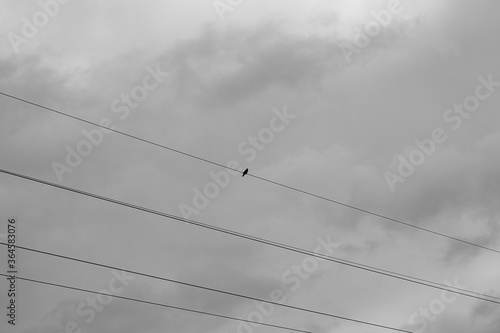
(244, 172)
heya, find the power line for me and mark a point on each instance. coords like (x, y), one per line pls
(445, 287)
(204, 287)
(378, 215)
(242, 235)
(117, 131)
(158, 304)
(436, 233)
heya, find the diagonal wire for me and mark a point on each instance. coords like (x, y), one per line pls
(449, 288)
(244, 236)
(436, 233)
(202, 287)
(156, 304)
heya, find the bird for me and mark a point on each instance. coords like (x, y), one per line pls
(244, 172)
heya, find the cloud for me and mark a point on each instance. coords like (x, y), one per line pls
(225, 81)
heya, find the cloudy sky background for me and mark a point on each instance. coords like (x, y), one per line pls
(225, 79)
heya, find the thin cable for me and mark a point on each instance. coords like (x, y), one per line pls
(375, 214)
(448, 287)
(157, 304)
(238, 234)
(255, 176)
(201, 287)
(116, 131)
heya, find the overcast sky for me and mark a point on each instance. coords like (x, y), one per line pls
(388, 106)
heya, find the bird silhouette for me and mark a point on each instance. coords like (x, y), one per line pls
(244, 172)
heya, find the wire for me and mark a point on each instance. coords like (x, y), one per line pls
(255, 176)
(378, 215)
(157, 304)
(446, 287)
(241, 235)
(117, 131)
(200, 287)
